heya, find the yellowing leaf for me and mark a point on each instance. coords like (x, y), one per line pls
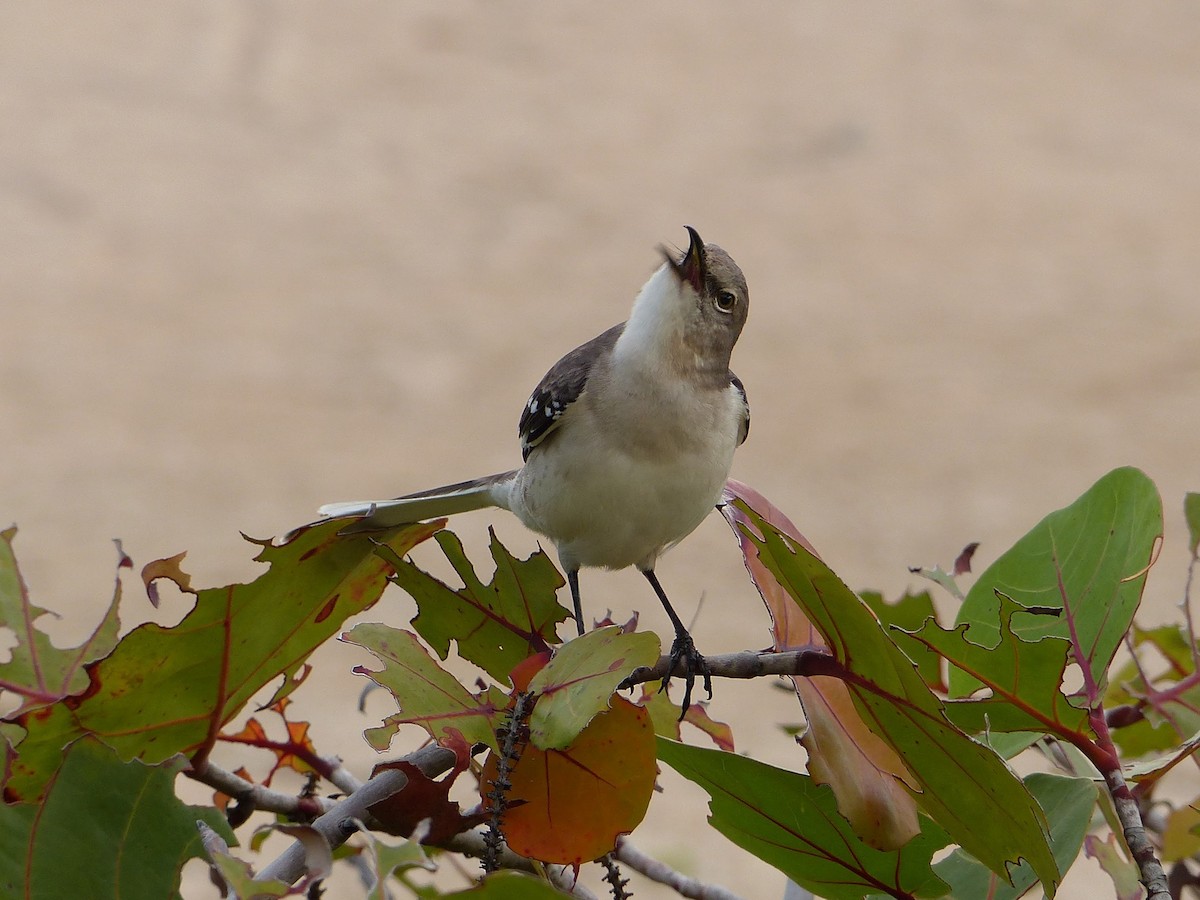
(579, 681)
(427, 694)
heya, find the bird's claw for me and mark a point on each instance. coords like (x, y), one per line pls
(684, 650)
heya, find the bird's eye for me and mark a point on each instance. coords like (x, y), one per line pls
(726, 301)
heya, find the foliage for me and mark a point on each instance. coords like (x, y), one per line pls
(911, 724)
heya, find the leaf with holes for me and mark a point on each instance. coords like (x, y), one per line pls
(569, 806)
(579, 681)
(1070, 801)
(496, 625)
(36, 671)
(1088, 560)
(791, 822)
(164, 691)
(961, 784)
(1024, 676)
(426, 693)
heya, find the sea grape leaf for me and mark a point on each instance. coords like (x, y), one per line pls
(791, 822)
(510, 886)
(664, 716)
(1191, 514)
(238, 876)
(570, 806)
(496, 625)
(426, 693)
(960, 783)
(579, 681)
(866, 774)
(381, 860)
(1024, 676)
(127, 833)
(425, 803)
(1123, 872)
(1181, 837)
(164, 690)
(903, 617)
(38, 672)
(1088, 559)
(1071, 802)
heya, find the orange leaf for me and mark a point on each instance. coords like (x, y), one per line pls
(575, 803)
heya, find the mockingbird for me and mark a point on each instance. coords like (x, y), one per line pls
(627, 440)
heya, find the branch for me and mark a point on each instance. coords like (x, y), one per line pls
(335, 819)
(664, 874)
(338, 823)
(745, 664)
(1103, 755)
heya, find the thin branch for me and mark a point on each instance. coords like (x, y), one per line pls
(664, 874)
(338, 823)
(744, 664)
(1102, 753)
(335, 818)
(260, 797)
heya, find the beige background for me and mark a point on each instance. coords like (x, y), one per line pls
(259, 256)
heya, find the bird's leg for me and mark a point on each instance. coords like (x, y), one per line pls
(573, 581)
(682, 649)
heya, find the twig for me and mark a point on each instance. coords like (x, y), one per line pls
(338, 823)
(664, 874)
(744, 664)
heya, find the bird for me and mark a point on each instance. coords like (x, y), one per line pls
(627, 441)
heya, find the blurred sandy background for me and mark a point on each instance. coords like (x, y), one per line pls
(258, 256)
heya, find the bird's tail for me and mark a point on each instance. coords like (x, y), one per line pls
(374, 515)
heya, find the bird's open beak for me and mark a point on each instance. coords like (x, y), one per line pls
(690, 269)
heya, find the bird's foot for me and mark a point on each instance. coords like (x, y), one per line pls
(684, 651)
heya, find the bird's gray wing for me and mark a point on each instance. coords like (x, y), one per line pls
(559, 388)
(741, 389)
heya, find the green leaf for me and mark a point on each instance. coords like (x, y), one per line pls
(382, 859)
(164, 691)
(239, 878)
(496, 625)
(791, 822)
(964, 786)
(37, 671)
(105, 829)
(1088, 560)
(579, 681)
(510, 886)
(427, 694)
(1070, 801)
(1123, 872)
(1191, 513)
(1024, 676)
(903, 617)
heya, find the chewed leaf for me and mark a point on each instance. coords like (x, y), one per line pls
(1070, 801)
(1088, 560)
(579, 681)
(793, 823)
(164, 691)
(569, 806)
(426, 693)
(496, 625)
(37, 671)
(1024, 676)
